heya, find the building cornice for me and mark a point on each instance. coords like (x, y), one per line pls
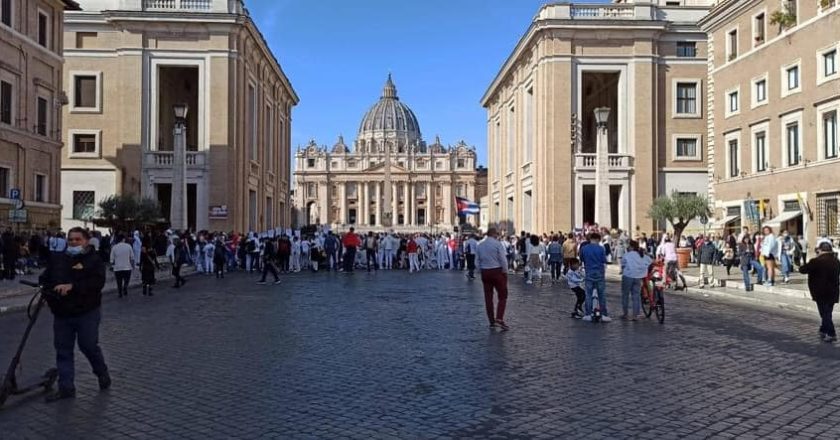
(599, 26)
(725, 12)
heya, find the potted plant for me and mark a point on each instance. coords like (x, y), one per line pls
(679, 209)
(784, 18)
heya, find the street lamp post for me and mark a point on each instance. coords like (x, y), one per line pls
(603, 216)
(178, 208)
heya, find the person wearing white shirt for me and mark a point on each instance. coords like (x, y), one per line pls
(634, 269)
(492, 262)
(388, 246)
(122, 261)
(296, 252)
(209, 250)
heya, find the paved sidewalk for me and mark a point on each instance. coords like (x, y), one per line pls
(15, 297)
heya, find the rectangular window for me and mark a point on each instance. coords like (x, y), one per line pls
(84, 143)
(830, 147)
(40, 188)
(828, 215)
(269, 213)
(734, 154)
(5, 181)
(687, 98)
(733, 104)
(761, 151)
(269, 144)
(792, 143)
(792, 78)
(529, 126)
(686, 49)
(759, 29)
(461, 163)
(687, 148)
(252, 117)
(761, 91)
(732, 45)
(310, 163)
(5, 102)
(829, 62)
(84, 205)
(252, 211)
(6, 12)
(43, 29)
(84, 87)
(511, 139)
(41, 126)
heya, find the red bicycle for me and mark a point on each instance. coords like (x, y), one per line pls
(653, 291)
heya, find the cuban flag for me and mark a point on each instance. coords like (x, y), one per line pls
(466, 207)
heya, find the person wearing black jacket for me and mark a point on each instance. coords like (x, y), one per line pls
(269, 254)
(11, 253)
(76, 277)
(707, 259)
(824, 283)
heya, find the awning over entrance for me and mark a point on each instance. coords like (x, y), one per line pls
(724, 222)
(782, 218)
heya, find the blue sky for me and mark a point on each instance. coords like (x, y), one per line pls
(443, 54)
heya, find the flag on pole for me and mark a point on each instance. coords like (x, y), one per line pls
(465, 206)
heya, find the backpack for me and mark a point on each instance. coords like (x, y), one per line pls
(250, 246)
(219, 252)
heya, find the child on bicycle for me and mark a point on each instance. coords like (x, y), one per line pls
(575, 278)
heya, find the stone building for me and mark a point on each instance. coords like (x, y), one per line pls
(774, 99)
(31, 97)
(128, 63)
(390, 179)
(646, 61)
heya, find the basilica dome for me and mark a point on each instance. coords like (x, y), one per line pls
(390, 119)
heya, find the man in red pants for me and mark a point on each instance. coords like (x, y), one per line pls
(492, 261)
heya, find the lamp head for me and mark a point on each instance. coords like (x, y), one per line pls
(602, 115)
(181, 110)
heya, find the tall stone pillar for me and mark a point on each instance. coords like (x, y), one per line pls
(603, 216)
(407, 203)
(178, 209)
(447, 203)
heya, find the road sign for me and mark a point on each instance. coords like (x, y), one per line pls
(17, 216)
(14, 194)
(704, 219)
(18, 204)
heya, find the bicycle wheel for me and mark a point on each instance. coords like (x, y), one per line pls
(660, 306)
(647, 304)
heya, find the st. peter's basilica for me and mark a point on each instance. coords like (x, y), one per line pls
(390, 179)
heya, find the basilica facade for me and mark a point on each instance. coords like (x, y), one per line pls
(389, 179)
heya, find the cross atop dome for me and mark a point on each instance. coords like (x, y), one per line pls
(390, 90)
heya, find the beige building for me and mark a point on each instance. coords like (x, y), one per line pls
(646, 61)
(128, 63)
(774, 95)
(391, 179)
(31, 97)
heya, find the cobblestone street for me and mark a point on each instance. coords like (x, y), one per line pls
(397, 356)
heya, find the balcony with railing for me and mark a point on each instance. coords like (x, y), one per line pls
(615, 162)
(166, 159)
(690, 10)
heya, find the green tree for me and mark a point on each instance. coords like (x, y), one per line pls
(679, 209)
(127, 212)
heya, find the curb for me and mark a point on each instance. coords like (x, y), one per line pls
(781, 298)
(107, 291)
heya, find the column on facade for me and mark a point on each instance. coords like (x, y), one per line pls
(363, 204)
(447, 203)
(395, 203)
(323, 203)
(342, 203)
(378, 208)
(407, 205)
(430, 206)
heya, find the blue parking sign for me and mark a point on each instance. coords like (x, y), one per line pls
(14, 194)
